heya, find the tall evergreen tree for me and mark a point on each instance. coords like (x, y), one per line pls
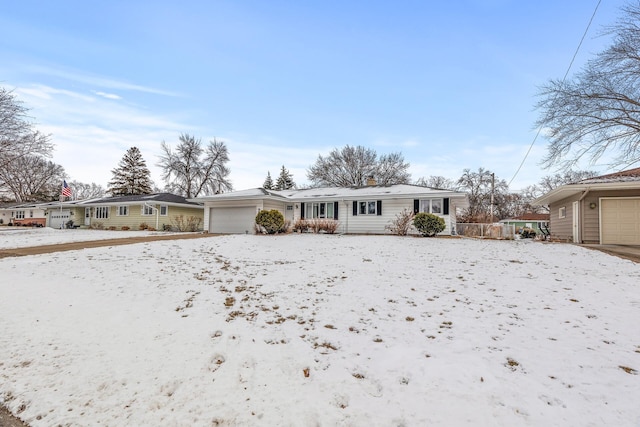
(285, 180)
(268, 182)
(132, 176)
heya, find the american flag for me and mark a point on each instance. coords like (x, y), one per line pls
(66, 190)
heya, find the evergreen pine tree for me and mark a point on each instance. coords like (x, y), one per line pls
(132, 176)
(268, 182)
(285, 180)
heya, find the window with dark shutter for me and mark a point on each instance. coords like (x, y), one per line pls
(379, 207)
(416, 206)
(335, 210)
(302, 210)
(355, 208)
(445, 207)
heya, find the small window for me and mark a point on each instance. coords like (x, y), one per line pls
(562, 212)
(369, 207)
(433, 206)
(164, 209)
(289, 207)
(30, 214)
(123, 210)
(147, 210)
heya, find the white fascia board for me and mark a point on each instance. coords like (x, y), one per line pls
(565, 191)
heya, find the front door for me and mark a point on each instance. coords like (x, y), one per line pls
(87, 216)
(576, 222)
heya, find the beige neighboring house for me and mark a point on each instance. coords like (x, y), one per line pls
(358, 210)
(601, 210)
(160, 211)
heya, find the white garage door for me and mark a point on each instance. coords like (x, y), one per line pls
(232, 220)
(58, 217)
(620, 221)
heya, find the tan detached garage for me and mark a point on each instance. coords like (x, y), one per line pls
(602, 210)
(620, 221)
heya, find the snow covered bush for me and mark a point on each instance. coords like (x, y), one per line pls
(428, 224)
(402, 223)
(271, 221)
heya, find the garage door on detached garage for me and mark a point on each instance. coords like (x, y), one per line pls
(620, 221)
(238, 220)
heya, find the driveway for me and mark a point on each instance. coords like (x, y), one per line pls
(623, 251)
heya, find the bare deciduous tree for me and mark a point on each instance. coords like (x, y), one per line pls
(598, 111)
(18, 138)
(82, 191)
(32, 178)
(352, 166)
(478, 186)
(192, 171)
(436, 181)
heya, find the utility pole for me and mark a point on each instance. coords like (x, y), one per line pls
(493, 186)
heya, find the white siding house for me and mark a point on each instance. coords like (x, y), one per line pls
(358, 210)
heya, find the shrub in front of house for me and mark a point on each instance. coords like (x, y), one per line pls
(402, 223)
(125, 228)
(182, 223)
(271, 221)
(97, 225)
(316, 225)
(143, 226)
(428, 224)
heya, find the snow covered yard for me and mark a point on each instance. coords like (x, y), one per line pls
(308, 330)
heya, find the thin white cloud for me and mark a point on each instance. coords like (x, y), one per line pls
(99, 81)
(107, 95)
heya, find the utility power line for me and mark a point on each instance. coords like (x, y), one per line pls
(575, 54)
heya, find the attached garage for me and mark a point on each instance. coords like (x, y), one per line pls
(620, 221)
(232, 220)
(59, 217)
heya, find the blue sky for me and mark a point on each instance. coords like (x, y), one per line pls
(452, 85)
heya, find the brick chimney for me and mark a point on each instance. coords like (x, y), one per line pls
(371, 180)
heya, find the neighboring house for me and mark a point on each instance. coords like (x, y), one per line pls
(27, 214)
(604, 209)
(537, 222)
(159, 211)
(359, 210)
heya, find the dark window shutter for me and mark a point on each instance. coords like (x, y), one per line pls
(416, 206)
(335, 210)
(302, 210)
(379, 207)
(445, 206)
(355, 208)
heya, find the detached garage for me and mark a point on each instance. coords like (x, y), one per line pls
(620, 221)
(601, 210)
